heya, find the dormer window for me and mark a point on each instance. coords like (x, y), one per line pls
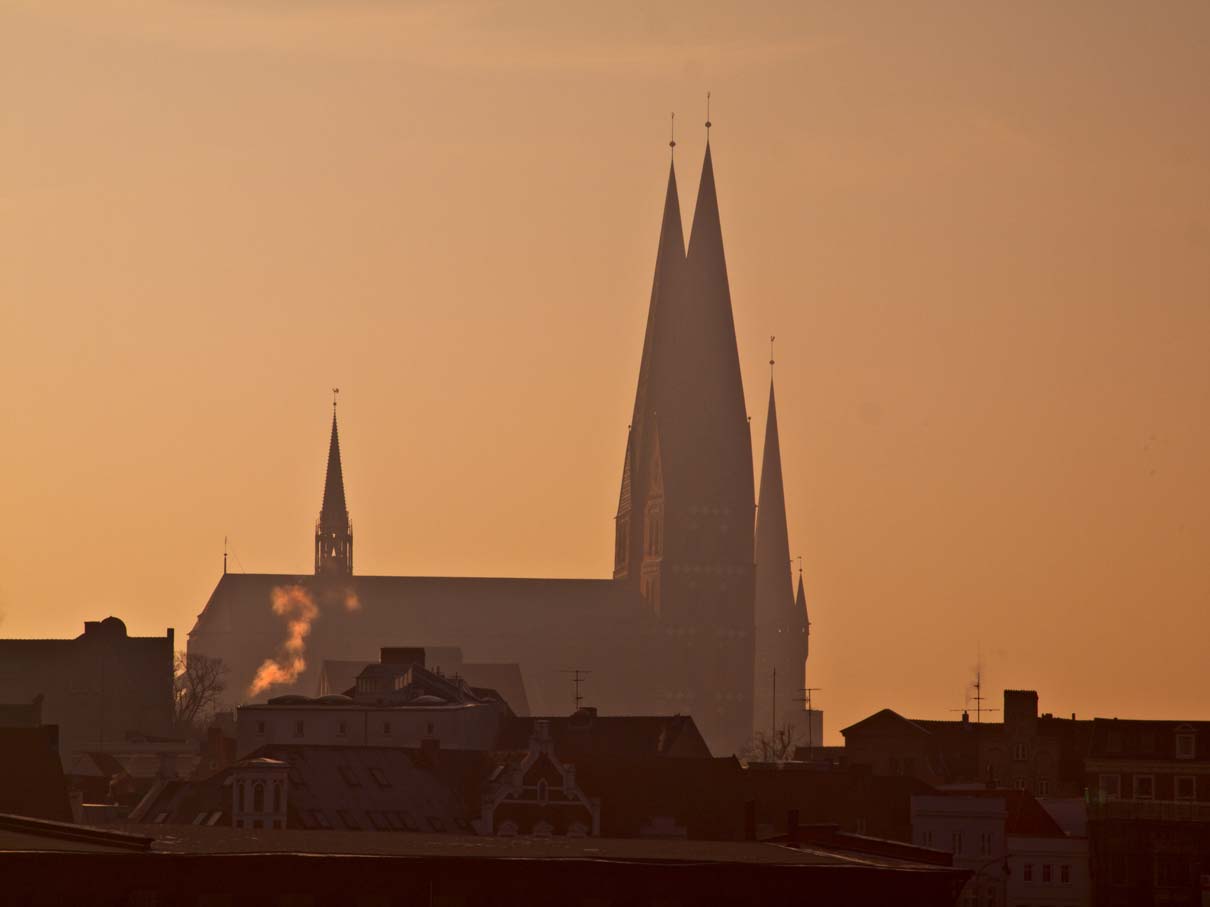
(1186, 742)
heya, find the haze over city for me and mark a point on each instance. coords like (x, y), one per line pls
(980, 234)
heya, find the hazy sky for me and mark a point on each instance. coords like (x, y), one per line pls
(980, 231)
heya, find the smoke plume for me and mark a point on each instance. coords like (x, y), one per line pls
(296, 605)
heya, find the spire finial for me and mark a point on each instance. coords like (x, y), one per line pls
(771, 360)
(708, 123)
(224, 555)
(335, 394)
(672, 132)
(799, 559)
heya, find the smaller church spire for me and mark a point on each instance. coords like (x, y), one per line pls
(333, 531)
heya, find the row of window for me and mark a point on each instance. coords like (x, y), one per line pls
(300, 728)
(1145, 742)
(1184, 787)
(1047, 874)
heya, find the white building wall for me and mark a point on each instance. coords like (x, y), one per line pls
(1048, 872)
(973, 830)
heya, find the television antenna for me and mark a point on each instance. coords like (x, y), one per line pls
(578, 676)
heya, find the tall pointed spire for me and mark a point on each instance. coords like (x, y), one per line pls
(780, 624)
(334, 483)
(655, 377)
(333, 531)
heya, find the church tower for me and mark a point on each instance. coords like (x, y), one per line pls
(333, 531)
(781, 617)
(687, 505)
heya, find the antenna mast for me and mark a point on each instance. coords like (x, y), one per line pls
(578, 676)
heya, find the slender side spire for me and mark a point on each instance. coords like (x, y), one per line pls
(780, 624)
(333, 531)
(800, 606)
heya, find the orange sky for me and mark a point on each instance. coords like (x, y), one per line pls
(981, 233)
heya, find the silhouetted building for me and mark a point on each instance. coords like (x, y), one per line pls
(32, 782)
(503, 677)
(394, 702)
(672, 631)
(1149, 811)
(1040, 754)
(98, 688)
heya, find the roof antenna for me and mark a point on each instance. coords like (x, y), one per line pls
(708, 123)
(672, 133)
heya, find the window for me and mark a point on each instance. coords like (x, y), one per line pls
(258, 797)
(1019, 752)
(956, 842)
(1186, 787)
(1186, 744)
(1029, 872)
(321, 818)
(239, 791)
(1019, 784)
(1144, 787)
(277, 823)
(260, 729)
(1043, 787)
(277, 796)
(349, 775)
(386, 729)
(298, 729)
(435, 824)
(378, 820)
(926, 838)
(985, 844)
(1110, 786)
(342, 728)
(349, 820)
(1046, 872)
(1065, 874)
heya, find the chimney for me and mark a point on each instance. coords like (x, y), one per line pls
(792, 826)
(402, 655)
(750, 820)
(966, 717)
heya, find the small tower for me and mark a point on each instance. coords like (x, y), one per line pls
(333, 531)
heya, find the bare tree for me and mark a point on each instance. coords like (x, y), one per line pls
(778, 746)
(198, 683)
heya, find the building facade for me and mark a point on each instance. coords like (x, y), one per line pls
(100, 688)
(672, 630)
(1039, 754)
(1149, 811)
